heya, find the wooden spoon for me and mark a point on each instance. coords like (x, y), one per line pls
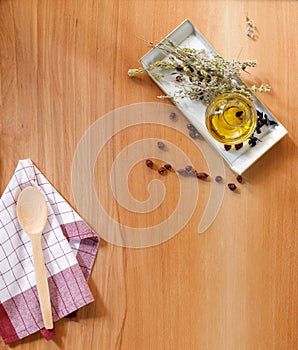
(32, 215)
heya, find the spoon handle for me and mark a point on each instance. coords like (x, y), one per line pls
(42, 281)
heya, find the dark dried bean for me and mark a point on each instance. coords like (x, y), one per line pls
(239, 179)
(162, 170)
(238, 146)
(149, 163)
(182, 172)
(168, 166)
(160, 145)
(202, 176)
(232, 186)
(218, 178)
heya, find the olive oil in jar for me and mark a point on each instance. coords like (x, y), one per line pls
(231, 118)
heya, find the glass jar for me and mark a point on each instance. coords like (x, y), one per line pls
(231, 118)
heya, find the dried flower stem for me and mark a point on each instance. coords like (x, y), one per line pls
(199, 74)
(250, 29)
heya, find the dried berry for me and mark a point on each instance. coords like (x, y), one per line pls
(239, 179)
(227, 147)
(179, 78)
(202, 176)
(259, 113)
(232, 186)
(265, 120)
(168, 166)
(182, 172)
(191, 127)
(238, 146)
(192, 134)
(253, 141)
(198, 136)
(272, 122)
(149, 163)
(218, 178)
(162, 170)
(160, 145)
(262, 120)
(190, 170)
(260, 123)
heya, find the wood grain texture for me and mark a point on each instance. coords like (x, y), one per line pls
(64, 65)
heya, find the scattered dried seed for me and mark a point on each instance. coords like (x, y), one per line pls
(160, 145)
(149, 163)
(198, 136)
(202, 176)
(191, 127)
(192, 134)
(227, 147)
(232, 186)
(182, 172)
(173, 114)
(195, 135)
(260, 123)
(190, 170)
(238, 146)
(253, 140)
(162, 170)
(218, 178)
(239, 179)
(259, 113)
(272, 122)
(168, 166)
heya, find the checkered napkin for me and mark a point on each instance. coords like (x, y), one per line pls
(69, 248)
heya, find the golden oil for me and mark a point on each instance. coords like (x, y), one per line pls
(231, 118)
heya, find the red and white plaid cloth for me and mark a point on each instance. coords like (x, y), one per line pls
(69, 248)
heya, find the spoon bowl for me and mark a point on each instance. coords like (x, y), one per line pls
(32, 214)
(32, 210)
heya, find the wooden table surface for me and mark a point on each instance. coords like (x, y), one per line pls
(63, 66)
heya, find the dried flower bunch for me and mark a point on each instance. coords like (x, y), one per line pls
(200, 74)
(250, 29)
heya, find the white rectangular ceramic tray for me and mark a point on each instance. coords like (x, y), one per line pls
(186, 35)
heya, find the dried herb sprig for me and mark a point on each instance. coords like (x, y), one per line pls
(250, 29)
(199, 74)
